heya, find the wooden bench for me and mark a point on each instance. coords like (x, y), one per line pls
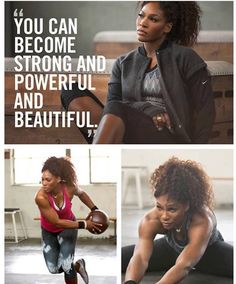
(222, 81)
(13, 212)
(211, 45)
(111, 219)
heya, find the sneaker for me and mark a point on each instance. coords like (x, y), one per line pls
(81, 269)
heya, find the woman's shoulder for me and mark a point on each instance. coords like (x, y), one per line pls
(151, 222)
(187, 59)
(41, 196)
(128, 56)
(187, 53)
(205, 216)
(182, 49)
(70, 190)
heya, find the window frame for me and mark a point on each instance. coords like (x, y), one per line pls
(68, 153)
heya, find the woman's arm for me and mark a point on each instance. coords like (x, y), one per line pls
(114, 84)
(51, 216)
(202, 105)
(83, 196)
(199, 235)
(139, 262)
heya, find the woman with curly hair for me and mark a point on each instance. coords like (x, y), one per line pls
(159, 93)
(58, 223)
(183, 214)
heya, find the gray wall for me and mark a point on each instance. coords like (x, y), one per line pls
(23, 197)
(221, 175)
(99, 16)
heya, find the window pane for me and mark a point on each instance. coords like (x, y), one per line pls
(104, 165)
(99, 165)
(80, 160)
(28, 163)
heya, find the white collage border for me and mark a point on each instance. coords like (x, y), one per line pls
(119, 147)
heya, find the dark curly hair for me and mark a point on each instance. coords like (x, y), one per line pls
(61, 167)
(185, 17)
(183, 181)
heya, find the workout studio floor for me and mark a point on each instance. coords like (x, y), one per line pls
(130, 221)
(24, 263)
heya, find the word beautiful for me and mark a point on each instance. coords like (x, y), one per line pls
(47, 119)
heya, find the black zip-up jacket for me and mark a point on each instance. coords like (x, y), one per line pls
(185, 86)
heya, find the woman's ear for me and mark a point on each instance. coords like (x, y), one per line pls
(168, 27)
(186, 207)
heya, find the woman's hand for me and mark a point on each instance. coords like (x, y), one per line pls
(162, 120)
(92, 226)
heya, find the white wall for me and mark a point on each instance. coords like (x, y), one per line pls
(217, 163)
(22, 197)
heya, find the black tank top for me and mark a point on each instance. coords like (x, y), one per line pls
(178, 246)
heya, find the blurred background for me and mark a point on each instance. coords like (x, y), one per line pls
(137, 199)
(98, 16)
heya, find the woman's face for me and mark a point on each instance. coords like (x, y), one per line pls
(49, 181)
(151, 24)
(171, 213)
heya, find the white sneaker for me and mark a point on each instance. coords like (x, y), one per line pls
(82, 270)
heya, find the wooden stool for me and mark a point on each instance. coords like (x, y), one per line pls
(136, 172)
(13, 212)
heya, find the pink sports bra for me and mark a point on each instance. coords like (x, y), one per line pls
(63, 213)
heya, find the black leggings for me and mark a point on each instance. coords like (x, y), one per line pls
(139, 127)
(58, 251)
(217, 259)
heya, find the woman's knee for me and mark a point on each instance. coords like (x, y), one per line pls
(66, 263)
(69, 270)
(52, 268)
(127, 253)
(115, 107)
(70, 94)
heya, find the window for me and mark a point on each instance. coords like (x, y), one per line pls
(99, 165)
(27, 163)
(92, 165)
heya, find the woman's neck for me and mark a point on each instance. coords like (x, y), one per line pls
(56, 190)
(151, 47)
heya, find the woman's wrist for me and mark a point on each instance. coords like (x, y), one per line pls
(130, 282)
(94, 208)
(82, 224)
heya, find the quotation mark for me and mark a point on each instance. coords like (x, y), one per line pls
(18, 14)
(92, 132)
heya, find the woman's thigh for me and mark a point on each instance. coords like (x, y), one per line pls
(67, 240)
(139, 128)
(217, 260)
(51, 250)
(163, 256)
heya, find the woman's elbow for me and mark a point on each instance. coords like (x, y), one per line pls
(185, 266)
(57, 223)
